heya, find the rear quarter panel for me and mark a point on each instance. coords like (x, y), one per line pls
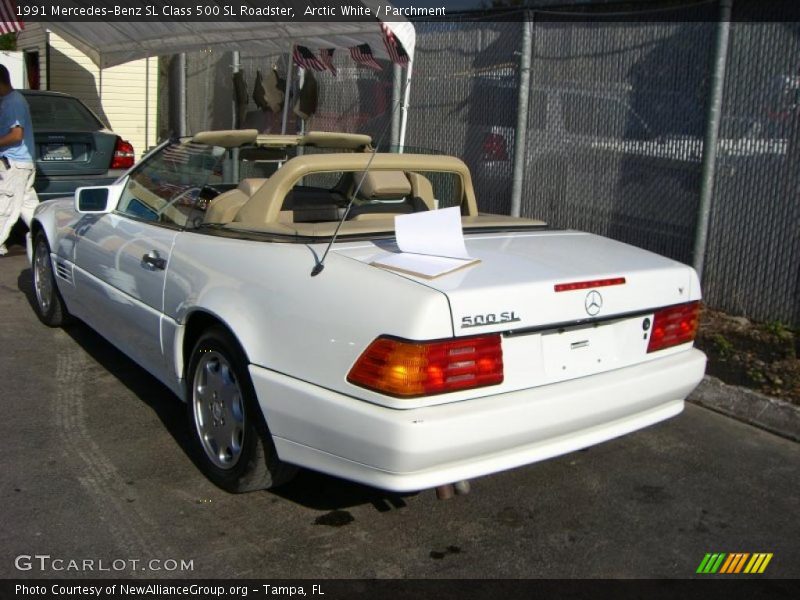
(310, 328)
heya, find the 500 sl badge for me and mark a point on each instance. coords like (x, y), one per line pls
(489, 319)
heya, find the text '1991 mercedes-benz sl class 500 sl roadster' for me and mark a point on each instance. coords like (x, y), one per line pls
(203, 265)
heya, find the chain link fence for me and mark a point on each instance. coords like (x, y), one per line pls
(753, 258)
(615, 124)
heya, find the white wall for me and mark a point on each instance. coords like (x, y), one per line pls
(13, 61)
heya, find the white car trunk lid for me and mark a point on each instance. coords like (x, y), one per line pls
(513, 287)
(556, 335)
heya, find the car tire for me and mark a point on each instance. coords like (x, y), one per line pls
(231, 442)
(49, 304)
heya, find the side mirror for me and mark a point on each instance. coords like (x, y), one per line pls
(97, 199)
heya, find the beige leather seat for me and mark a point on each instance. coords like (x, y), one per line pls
(224, 207)
(390, 185)
(422, 188)
(383, 185)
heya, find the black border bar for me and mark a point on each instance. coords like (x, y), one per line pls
(569, 11)
(707, 587)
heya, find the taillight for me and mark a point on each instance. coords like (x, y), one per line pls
(494, 147)
(674, 325)
(123, 155)
(405, 368)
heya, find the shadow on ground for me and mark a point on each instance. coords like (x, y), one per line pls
(309, 488)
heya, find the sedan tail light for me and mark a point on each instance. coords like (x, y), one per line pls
(674, 325)
(123, 155)
(408, 369)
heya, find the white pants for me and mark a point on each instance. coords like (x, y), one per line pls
(17, 196)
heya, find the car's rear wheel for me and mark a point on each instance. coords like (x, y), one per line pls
(232, 443)
(50, 307)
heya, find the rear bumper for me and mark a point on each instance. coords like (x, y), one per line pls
(406, 450)
(58, 186)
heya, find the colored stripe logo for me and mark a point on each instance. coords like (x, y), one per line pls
(734, 562)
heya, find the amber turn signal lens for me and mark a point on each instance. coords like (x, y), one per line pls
(409, 369)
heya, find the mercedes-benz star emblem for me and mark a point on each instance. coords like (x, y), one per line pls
(593, 303)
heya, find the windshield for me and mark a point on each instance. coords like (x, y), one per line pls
(168, 187)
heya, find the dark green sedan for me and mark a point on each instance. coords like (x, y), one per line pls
(74, 147)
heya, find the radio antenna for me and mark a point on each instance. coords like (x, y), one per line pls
(320, 266)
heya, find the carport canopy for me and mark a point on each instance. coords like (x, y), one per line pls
(114, 43)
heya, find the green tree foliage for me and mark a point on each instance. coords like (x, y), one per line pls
(8, 41)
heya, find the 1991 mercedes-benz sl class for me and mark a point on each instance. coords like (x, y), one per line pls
(198, 265)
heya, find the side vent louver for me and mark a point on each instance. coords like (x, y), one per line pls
(64, 271)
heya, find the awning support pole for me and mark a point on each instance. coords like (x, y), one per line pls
(288, 96)
(713, 119)
(397, 89)
(521, 134)
(301, 81)
(404, 114)
(146, 105)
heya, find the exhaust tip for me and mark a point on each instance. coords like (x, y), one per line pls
(445, 492)
(460, 488)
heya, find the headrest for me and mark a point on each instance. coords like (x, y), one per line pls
(250, 185)
(383, 184)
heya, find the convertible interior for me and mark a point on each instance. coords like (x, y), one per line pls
(381, 194)
(308, 193)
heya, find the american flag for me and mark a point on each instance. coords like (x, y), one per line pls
(326, 58)
(180, 153)
(305, 58)
(9, 23)
(362, 54)
(393, 46)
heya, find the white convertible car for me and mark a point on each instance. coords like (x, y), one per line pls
(198, 265)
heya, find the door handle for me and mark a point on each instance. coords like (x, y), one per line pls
(153, 261)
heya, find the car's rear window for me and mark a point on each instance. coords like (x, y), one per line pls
(58, 113)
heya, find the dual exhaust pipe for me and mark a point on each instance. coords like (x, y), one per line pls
(445, 492)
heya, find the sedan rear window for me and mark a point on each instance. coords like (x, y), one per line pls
(61, 113)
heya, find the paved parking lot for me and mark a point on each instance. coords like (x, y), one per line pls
(94, 466)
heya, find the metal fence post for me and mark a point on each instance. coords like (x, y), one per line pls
(521, 134)
(235, 67)
(713, 118)
(182, 94)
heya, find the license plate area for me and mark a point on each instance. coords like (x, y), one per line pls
(578, 351)
(55, 152)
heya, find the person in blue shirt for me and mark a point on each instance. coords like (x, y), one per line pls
(17, 152)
